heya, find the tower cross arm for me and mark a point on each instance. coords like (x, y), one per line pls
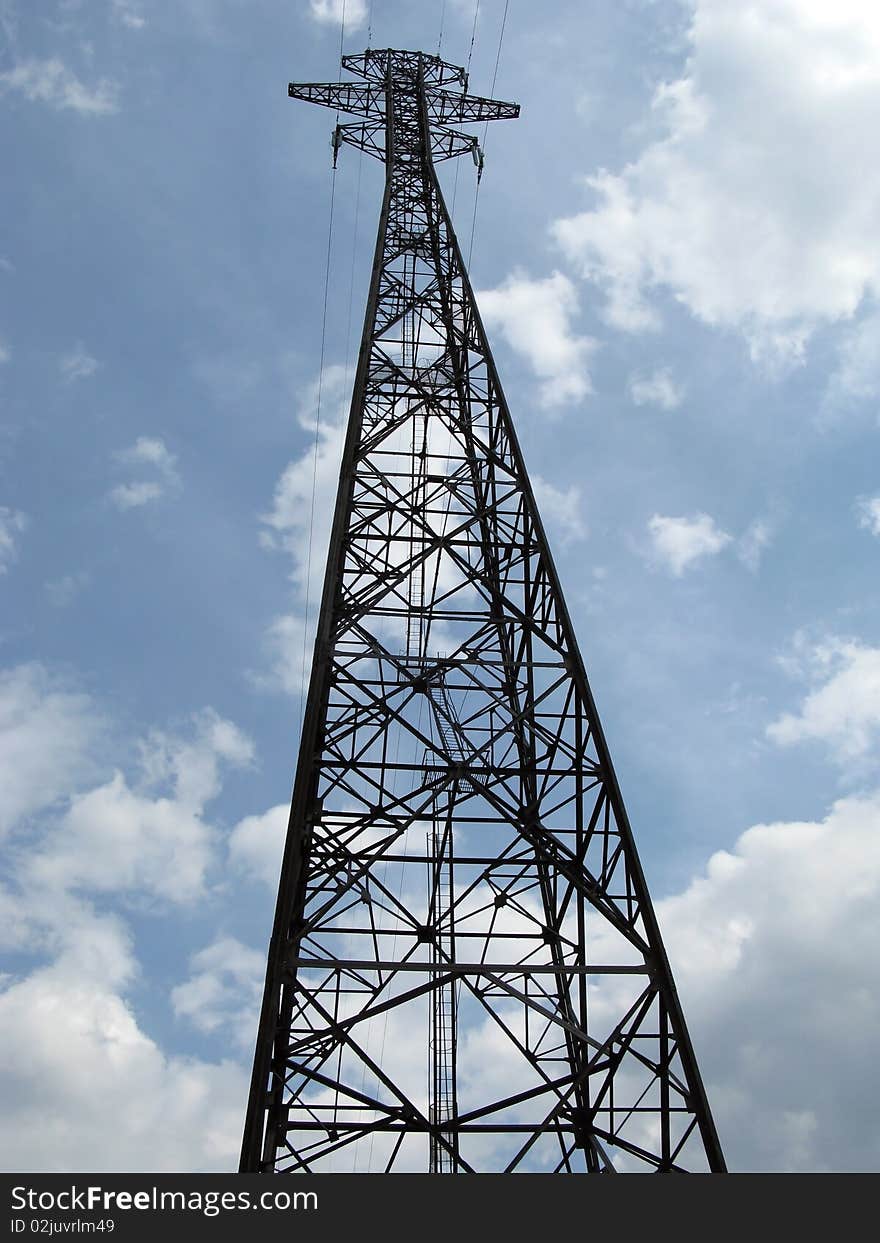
(445, 107)
(361, 99)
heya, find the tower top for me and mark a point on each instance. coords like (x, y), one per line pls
(397, 82)
(378, 63)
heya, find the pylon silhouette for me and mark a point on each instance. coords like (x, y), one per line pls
(466, 971)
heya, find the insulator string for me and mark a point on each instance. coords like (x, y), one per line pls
(473, 36)
(442, 16)
(467, 71)
(486, 130)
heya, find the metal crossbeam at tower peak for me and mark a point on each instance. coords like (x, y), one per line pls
(465, 972)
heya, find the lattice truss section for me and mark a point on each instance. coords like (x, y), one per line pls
(466, 973)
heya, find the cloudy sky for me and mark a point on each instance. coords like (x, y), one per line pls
(676, 251)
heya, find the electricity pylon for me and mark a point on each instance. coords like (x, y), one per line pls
(465, 972)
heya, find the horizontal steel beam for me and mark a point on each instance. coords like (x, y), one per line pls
(469, 968)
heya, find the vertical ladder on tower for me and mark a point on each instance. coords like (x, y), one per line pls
(443, 1034)
(441, 918)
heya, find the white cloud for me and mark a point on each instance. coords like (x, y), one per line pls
(191, 767)
(223, 991)
(751, 544)
(535, 317)
(47, 732)
(71, 1048)
(678, 543)
(78, 364)
(754, 205)
(128, 14)
(657, 389)
(151, 452)
(12, 523)
(287, 645)
(305, 494)
(62, 591)
(560, 510)
(108, 1098)
(869, 514)
(132, 495)
(858, 372)
(66, 927)
(774, 954)
(332, 12)
(51, 82)
(299, 522)
(115, 838)
(843, 710)
(5, 353)
(111, 837)
(256, 845)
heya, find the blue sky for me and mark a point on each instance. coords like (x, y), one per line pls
(676, 256)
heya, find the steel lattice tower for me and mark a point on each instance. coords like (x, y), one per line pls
(465, 972)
